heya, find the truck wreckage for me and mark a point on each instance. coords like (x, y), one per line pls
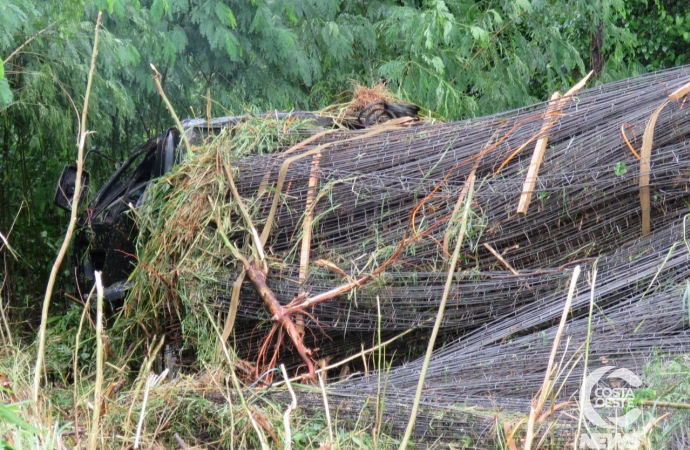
(105, 241)
(350, 229)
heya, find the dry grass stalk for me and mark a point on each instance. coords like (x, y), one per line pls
(357, 355)
(143, 375)
(587, 341)
(95, 428)
(236, 384)
(659, 404)
(232, 310)
(72, 222)
(501, 259)
(535, 410)
(325, 405)
(363, 96)
(75, 360)
(287, 445)
(151, 381)
(458, 204)
(259, 250)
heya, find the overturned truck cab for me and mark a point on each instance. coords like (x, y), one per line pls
(106, 234)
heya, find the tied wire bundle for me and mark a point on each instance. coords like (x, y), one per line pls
(585, 205)
(373, 190)
(492, 374)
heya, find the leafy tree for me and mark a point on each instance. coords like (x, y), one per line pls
(457, 58)
(662, 29)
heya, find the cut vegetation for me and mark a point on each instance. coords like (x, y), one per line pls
(283, 257)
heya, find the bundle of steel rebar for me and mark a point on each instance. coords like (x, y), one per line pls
(343, 204)
(373, 191)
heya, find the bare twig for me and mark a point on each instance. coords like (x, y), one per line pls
(151, 381)
(287, 445)
(72, 223)
(183, 445)
(28, 41)
(325, 405)
(157, 80)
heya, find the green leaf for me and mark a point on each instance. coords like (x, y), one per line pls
(2, 70)
(497, 16)
(158, 8)
(620, 169)
(7, 413)
(225, 15)
(481, 35)
(5, 93)
(523, 5)
(436, 63)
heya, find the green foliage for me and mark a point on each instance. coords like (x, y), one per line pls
(620, 169)
(5, 91)
(456, 58)
(663, 33)
(8, 414)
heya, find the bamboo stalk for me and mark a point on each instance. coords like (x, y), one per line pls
(93, 436)
(589, 336)
(536, 408)
(38, 371)
(287, 445)
(306, 233)
(646, 167)
(537, 157)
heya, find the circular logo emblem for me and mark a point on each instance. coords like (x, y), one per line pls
(607, 397)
